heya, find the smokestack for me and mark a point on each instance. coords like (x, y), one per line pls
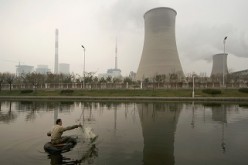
(116, 55)
(56, 64)
(159, 56)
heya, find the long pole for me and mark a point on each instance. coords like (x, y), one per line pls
(224, 42)
(193, 92)
(84, 68)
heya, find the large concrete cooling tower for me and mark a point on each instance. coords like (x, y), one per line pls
(159, 54)
(219, 65)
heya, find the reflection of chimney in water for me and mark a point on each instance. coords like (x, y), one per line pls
(55, 115)
(193, 115)
(158, 123)
(115, 118)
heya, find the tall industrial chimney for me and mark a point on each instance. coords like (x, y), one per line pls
(56, 64)
(116, 66)
(159, 56)
(219, 65)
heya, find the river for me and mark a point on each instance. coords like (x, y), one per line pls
(171, 133)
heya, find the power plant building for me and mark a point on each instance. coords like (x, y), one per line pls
(23, 69)
(42, 69)
(64, 68)
(219, 65)
(113, 73)
(159, 55)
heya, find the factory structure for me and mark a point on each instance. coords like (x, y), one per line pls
(56, 62)
(42, 69)
(219, 65)
(59, 68)
(220, 68)
(23, 69)
(160, 55)
(64, 68)
(115, 72)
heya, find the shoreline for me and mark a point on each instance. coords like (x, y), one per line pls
(121, 98)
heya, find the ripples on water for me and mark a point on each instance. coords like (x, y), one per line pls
(129, 133)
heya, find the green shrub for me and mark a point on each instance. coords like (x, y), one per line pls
(67, 91)
(26, 91)
(212, 91)
(243, 90)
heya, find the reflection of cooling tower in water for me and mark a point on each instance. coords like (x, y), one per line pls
(219, 113)
(158, 123)
(159, 56)
(219, 65)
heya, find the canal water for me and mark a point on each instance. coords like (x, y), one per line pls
(129, 133)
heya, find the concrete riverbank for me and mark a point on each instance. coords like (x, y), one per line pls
(140, 98)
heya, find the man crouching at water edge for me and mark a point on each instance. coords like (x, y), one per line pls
(57, 131)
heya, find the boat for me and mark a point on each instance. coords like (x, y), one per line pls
(60, 148)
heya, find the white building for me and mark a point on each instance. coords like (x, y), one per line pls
(64, 68)
(23, 69)
(42, 69)
(113, 73)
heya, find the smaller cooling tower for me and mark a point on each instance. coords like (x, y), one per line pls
(219, 65)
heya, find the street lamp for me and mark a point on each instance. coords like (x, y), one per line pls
(224, 42)
(193, 92)
(84, 67)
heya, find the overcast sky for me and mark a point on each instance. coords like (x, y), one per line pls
(27, 33)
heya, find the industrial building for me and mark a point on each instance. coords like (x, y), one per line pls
(239, 75)
(159, 55)
(64, 68)
(42, 69)
(23, 69)
(113, 73)
(219, 65)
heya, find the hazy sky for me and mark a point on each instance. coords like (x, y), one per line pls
(27, 33)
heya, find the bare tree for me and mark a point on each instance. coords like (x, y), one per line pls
(89, 77)
(35, 79)
(9, 77)
(2, 77)
(173, 77)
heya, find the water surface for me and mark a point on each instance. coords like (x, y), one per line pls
(171, 133)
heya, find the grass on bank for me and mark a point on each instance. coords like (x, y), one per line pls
(126, 93)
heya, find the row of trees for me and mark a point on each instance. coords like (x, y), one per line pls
(37, 79)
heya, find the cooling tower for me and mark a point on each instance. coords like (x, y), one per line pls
(159, 54)
(219, 65)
